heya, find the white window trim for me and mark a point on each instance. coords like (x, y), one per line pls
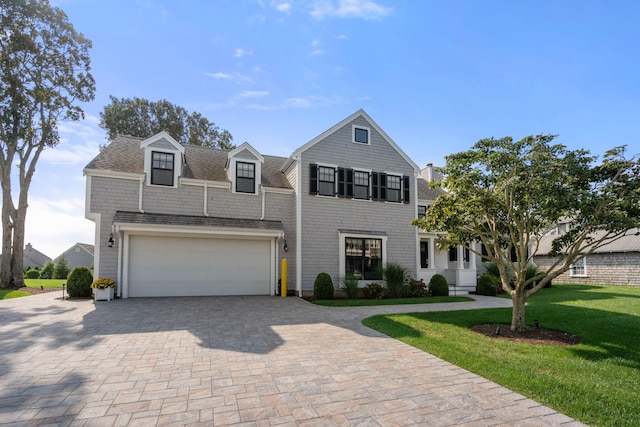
(341, 248)
(584, 267)
(353, 134)
(148, 165)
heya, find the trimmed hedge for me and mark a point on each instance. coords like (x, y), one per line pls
(79, 282)
(487, 285)
(438, 286)
(323, 287)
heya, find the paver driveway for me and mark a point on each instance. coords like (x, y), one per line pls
(259, 361)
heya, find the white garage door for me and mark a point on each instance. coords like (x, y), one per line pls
(180, 266)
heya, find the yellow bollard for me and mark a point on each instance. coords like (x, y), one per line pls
(283, 284)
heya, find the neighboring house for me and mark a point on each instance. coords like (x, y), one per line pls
(78, 255)
(617, 263)
(174, 220)
(33, 258)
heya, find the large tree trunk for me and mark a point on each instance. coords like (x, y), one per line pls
(12, 275)
(517, 315)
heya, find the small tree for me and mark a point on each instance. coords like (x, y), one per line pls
(79, 282)
(323, 287)
(507, 195)
(47, 270)
(61, 270)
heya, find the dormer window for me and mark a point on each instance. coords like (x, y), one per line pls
(360, 135)
(245, 177)
(162, 168)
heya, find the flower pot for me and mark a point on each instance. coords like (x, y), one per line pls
(105, 294)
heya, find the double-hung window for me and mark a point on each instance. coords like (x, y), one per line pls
(326, 181)
(579, 268)
(360, 185)
(422, 211)
(245, 177)
(363, 258)
(162, 168)
(424, 254)
(393, 189)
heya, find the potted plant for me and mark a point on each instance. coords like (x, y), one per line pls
(103, 289)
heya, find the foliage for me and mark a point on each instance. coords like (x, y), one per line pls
(143, 118)
(508, 194)
(438, 286)
(373, 291)
(103, 283)
(44, 73)
(47, 270)
(595, 381)
(79, 282)
(396, 277)
(323, 287)
(32, 273)
(487, 285)
(62, 269)
(389, 301)
(350, 286)
(418, 289)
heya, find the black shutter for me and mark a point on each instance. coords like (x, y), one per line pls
(375, 186)
(349, 183)
(341, 186)
(370, 195)
(313, 179)
(383, 186)
(405, 183)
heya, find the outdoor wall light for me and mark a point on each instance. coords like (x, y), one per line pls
(284, 246)
(111, 242)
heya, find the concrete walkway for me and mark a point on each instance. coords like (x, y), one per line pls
(250, 361)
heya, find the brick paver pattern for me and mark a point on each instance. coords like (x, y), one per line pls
(246, 361)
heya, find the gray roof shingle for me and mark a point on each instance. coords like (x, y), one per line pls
(628, 243)
(124, 154)
(426, 193)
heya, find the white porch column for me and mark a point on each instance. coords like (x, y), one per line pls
(460, 258)
(432, 253)
(472, 256)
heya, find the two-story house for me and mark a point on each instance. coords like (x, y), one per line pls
(174, 220)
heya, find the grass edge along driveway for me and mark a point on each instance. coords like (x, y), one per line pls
(595, 382)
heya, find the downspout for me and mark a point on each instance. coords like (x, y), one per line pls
(206, 206)
(140, 193)
(264, 198)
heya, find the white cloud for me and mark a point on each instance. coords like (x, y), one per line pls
(297, 102)
(218, 76)
(315, 42)
(79, 143)
(366, 9)
(239, 53)
(343, 37)
(282, 7)
(317, 52)
(252, 94)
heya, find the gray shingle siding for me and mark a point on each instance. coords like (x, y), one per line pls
(322, 217)
(163, 143)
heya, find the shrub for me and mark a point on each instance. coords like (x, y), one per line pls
(323, 287)
(47, 270)
(417, 288)
(79, 282)
(61, 270)
(396, 277)
(32, 273)
(438, 286)
(350, 286)
(487, 285)
(373, 291)
(103, 283)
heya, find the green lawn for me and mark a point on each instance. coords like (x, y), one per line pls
(4, 294)
(390, 301)
(595, 382)
(47, 283)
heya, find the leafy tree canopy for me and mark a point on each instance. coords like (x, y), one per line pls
(508, 194)
(44, 74)
(143, 118)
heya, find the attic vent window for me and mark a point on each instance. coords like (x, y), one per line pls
(361, 135)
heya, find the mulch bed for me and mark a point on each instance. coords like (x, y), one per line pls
(38, 290)
(538, 336)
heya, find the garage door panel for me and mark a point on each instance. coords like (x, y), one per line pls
(178, 266)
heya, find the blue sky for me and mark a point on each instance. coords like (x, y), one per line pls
(436, 75)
